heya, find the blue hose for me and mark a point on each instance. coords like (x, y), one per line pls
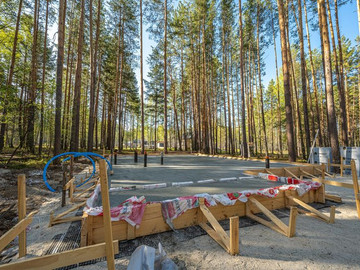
(75, 154)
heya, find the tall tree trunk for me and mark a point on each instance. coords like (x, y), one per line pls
(303, 78)
(313, 78)
(243, 115)
(165, 79)
(30, 140)
(287, 92)
(93, 68)
(343, 107)
(334, 142)
(43, 81)
(10, 77)
(74, 143)
(344, 132)
(142, 83)
(260, 81)
(59, 76)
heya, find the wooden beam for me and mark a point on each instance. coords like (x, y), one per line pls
(293, 175)
(75, 207)
(355, 186)
(213, 234)
(333, 198)
(333, 183)
(270, 215)
(106, 216)
(309, 174)
(292, 222)
(234, 235)
(64, 220)
(266, 223)
(217, 227)
(310, 208)
(68, 184)
(22, 212)
(62, 259)
(10, 235)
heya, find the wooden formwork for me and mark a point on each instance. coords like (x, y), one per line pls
(294, 171)
(153, 221)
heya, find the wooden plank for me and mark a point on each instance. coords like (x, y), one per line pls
(22, 212)
(217, 227)
(213, 234)
(234, 235)
(10, 235)
(334, 183)
(64, 220)
(310, 208)
(332, 214)
(270, 215)
(306, 173)
(106, 216)
(70, 210)
(266, 223)
(292, 221)
(68, 184)
(289, 172)
(62, 259)
(355, 186)
(333, 198)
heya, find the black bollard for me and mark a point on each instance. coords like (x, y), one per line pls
(145, 159)
(162, 158)
(135, 156)
(115, 156)
(267, 162)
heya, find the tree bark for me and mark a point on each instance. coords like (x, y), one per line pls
(30, 140)
(287, 92)
(59, 76)
(243, 115)
(334, 142)
(74, 143)
(10, 77)
(165, 79)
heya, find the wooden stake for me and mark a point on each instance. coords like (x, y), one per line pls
(71, 167)
(292, 222)
(63, 195)
(332, 214)
(234, 235)
(355, 186)
(106, 215)
(22, 212)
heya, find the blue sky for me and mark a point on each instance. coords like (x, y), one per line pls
(348, 28)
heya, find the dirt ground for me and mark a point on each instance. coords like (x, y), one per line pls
(36, 192)
(317, 245)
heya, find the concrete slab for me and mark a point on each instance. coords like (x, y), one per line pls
(179, 169)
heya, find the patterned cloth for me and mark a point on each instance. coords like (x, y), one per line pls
(131, 210)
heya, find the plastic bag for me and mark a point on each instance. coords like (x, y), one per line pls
(144, 258)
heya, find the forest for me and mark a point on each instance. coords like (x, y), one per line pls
(72, 76)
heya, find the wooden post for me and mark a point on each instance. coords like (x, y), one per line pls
(322, 171)
(106, 215)
(341, 166)
(63, 195)
(22, 212)
(292, 221)
(328, 165)
(332, 214)
(72, 167)
(356, 186)
(234, 235)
